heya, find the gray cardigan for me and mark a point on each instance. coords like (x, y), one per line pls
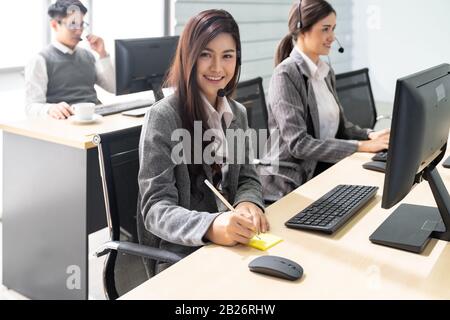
(173, 215)
(293, 112)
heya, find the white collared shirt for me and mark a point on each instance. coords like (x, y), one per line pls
(36, 80)
(326, 103)
(215, 123)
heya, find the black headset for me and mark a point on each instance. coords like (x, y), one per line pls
(300, 25)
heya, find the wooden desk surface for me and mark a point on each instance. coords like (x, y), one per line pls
(345, 265)
(67, 133)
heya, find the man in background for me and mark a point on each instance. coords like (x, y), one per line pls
(64, 74)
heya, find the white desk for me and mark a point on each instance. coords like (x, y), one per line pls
(52, 200)
(345, 265)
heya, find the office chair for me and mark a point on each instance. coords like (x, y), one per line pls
(119, 166)
(250, 93)
(356, 97)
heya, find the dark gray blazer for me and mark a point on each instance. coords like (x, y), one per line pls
(173, 215)
(293, 112)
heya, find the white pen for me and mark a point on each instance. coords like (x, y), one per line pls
(224, 201)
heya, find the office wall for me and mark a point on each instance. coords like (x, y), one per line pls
(342, 62)
(262, 25)
(397, 38)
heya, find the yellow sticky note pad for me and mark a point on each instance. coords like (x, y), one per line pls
(265, 242)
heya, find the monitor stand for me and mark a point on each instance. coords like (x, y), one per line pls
(156, 87)
(410, 227)
(446, 164)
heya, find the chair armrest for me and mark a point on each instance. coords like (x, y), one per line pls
(139, 250)
(106, 248)
(259, 162)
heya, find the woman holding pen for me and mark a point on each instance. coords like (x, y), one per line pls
(178, 210)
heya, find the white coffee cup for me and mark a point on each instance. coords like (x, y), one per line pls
(84, 110)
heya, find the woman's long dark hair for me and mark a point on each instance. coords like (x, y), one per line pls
(312, 11)
(198, 32)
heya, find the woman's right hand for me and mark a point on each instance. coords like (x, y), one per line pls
(231, 228)
(377, 144)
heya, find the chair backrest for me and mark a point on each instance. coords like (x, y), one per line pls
(119, 167)
(250, 93)
(356, 97)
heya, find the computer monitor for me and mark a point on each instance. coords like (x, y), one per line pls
(418, 140)
(142, 64)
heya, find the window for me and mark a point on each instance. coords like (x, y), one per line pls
(127, 19)
(25, 26)
(23, 31)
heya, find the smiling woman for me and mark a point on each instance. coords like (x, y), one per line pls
(216, 66)
(303, 105)
(178, 211)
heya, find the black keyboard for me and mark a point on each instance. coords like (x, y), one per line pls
(333, 209)
(106, 110)
(380, 156)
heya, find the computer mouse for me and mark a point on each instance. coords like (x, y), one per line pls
(276, 267)
(381, 156)
(379, 166)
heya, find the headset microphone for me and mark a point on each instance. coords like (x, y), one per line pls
(341, 49)
(221, 93)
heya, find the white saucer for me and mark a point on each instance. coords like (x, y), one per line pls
(94, 119)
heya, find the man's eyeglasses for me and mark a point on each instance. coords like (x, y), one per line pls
(74, 25)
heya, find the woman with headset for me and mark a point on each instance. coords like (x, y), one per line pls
(178, 211)
(303, 108)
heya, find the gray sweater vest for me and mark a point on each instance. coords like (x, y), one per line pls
(71, 78)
